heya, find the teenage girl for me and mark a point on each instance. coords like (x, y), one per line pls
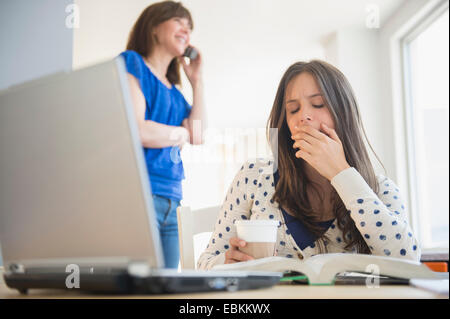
(323, 188)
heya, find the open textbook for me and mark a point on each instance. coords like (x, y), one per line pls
(323, 268)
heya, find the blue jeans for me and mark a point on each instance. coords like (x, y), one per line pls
(166, 214)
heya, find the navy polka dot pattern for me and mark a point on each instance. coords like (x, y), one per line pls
(381, 218)
(388, 211)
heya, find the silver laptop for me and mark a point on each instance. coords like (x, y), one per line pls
(75, 194)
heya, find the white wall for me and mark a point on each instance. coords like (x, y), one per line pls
(244, 59)
(244, 56)
(34, 39)
(247, 45)
(103, 30)
(355, 52)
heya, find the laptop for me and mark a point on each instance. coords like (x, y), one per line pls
(75, 204)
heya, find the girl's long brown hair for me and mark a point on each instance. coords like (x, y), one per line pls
(141, 37)
(291, 189)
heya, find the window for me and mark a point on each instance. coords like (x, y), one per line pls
(426, 78)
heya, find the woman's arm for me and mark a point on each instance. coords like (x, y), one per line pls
(196, 122)
(381, 219)
(153, 134)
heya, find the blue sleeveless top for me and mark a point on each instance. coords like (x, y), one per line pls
(165, 106)
(302, 236)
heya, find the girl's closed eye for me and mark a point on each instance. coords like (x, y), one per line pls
(295, 111)
(315, 106)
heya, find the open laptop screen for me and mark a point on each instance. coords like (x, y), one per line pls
(73, 182)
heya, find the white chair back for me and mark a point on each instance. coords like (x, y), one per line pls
(191, 223)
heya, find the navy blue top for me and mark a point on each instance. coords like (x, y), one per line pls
(166, 106)
(302, 236)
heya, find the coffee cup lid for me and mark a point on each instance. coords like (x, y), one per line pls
(257, 222)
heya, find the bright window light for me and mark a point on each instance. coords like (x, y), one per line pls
(427, 108)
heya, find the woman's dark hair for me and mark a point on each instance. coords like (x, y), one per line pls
(291, 189)
(141, 37)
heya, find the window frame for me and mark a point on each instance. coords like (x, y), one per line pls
(419, 220)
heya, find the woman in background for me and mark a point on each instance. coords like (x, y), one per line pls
(165, 119)
(323, 190)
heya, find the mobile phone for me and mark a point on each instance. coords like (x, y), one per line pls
(190, 53)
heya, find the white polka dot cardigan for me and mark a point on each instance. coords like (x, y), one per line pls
(381, 219)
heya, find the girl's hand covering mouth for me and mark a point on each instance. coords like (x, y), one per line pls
(323, 151)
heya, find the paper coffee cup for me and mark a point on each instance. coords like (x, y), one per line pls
(260, 235)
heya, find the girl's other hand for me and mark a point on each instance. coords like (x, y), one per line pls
(233, 254)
